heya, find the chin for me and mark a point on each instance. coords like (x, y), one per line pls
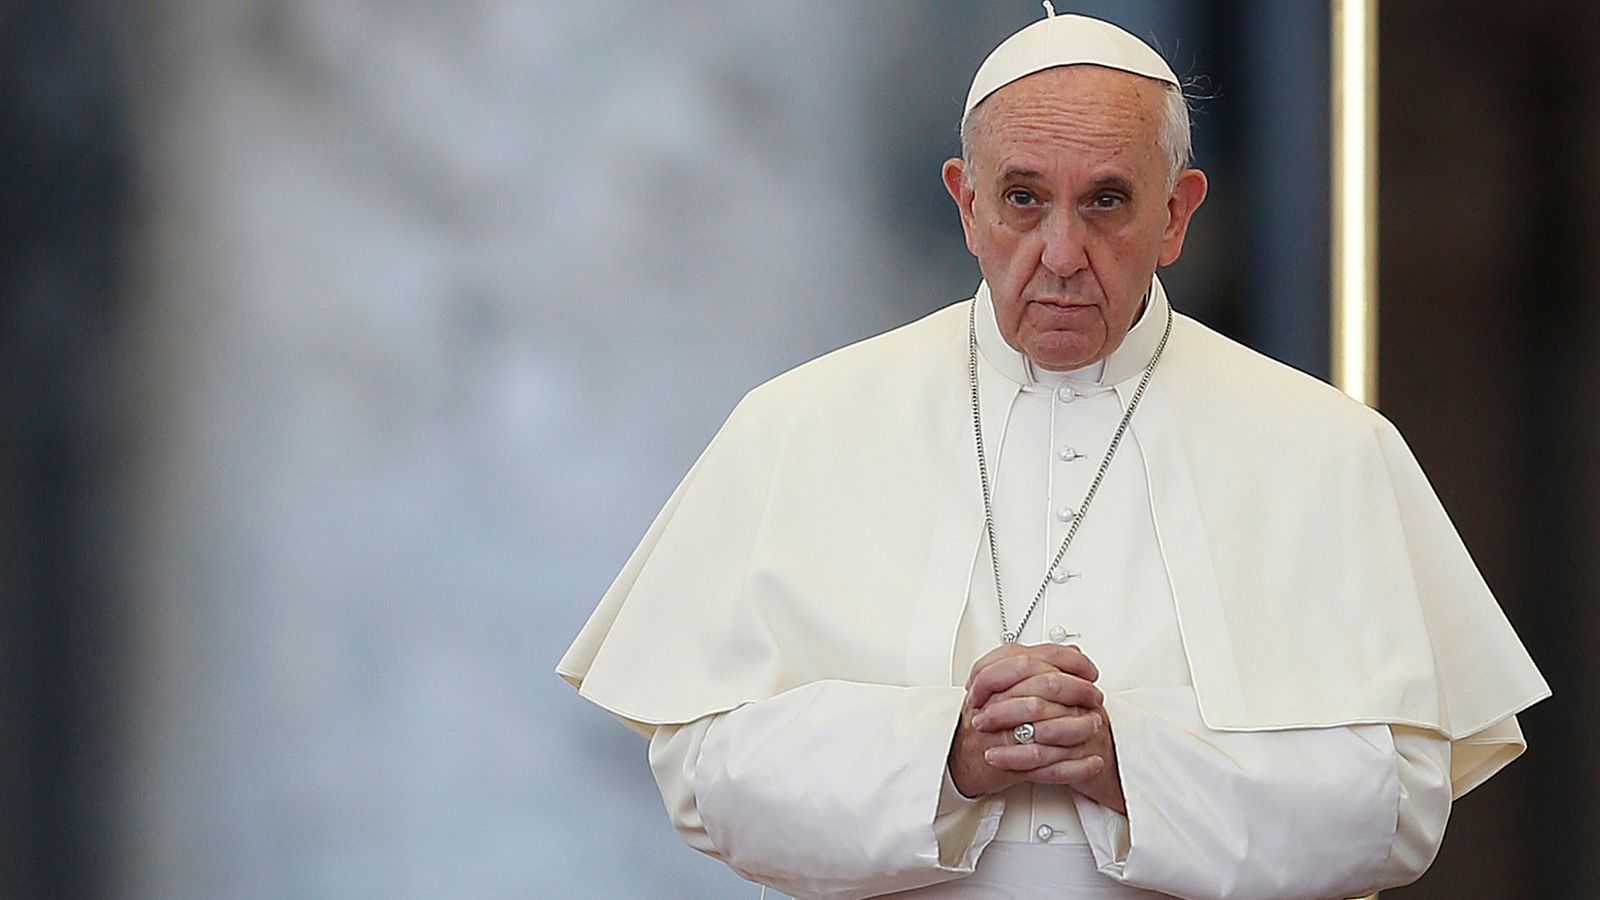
(1061, 355)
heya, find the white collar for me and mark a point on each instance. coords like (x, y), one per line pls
(1125, 362)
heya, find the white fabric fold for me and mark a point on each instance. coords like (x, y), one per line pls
(772, 790)
(1323, 812)
(835, 790)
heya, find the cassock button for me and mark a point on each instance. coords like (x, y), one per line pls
(1059, 575)
(1045, 833)
(1065, 393)
(1066, 514)
(1058, 634)
(1069, 454)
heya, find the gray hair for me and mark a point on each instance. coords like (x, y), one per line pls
(1172, 132)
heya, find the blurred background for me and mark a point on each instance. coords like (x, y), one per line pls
(346, 349)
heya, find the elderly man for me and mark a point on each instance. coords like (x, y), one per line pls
(1056, 592)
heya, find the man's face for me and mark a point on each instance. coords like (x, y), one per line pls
(1067, 208)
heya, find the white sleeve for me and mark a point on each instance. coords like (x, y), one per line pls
(1316, 812)
(832, 789)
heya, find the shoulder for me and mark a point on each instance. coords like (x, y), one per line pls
(1260, 396)
(891, 368)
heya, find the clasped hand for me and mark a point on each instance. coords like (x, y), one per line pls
(1052, 687)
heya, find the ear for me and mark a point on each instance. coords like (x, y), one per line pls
(955, 181)
(1187, 194)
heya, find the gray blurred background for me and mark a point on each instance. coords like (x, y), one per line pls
(346, 349)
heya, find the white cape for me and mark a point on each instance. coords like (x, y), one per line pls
(827, 532)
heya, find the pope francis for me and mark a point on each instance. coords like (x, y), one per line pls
(1056, 592)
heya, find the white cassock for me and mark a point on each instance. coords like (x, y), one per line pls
(1301, 665)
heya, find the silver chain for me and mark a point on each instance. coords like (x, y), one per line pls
(1006, 634)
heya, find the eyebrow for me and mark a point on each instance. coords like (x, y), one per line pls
(1019, 172)
(1116, 182)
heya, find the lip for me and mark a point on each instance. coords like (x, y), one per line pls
(1062, 307)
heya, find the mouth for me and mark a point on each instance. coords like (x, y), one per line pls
(1055, 305)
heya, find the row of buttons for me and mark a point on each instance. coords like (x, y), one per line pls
(1060, 575)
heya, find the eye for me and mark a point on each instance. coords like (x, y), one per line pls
(1106, 200)
(1020, 197)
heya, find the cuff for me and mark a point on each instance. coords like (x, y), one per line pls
(964, 825)
(1108, 834)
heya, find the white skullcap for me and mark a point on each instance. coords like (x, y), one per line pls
(1065, 41)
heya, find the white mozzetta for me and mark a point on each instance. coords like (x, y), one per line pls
(829, 529)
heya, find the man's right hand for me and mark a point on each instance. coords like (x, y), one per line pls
(1049, 684)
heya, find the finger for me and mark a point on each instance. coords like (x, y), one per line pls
(1068, 771)
(1066, 731)
(1069, 658)
(1067, 690)
(1004, 674)
(1028, 757)
(1002, 712)
(993, 656)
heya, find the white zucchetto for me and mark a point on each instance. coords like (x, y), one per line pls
(1069, 40)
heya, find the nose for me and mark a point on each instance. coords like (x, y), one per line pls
(1065, 251)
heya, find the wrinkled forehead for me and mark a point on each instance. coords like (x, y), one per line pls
(1080, 113)
(1082, 86)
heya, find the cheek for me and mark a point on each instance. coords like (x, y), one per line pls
(1002, 252)
(1015, 242)
(1125, 254)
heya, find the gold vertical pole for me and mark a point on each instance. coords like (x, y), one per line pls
(1354, 199)
(1354, 260)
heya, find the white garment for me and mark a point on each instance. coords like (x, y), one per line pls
(1110, 596)
(828, 531)
(1020, 872)
(1210, 813)
(828, 539)
(775, 792)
